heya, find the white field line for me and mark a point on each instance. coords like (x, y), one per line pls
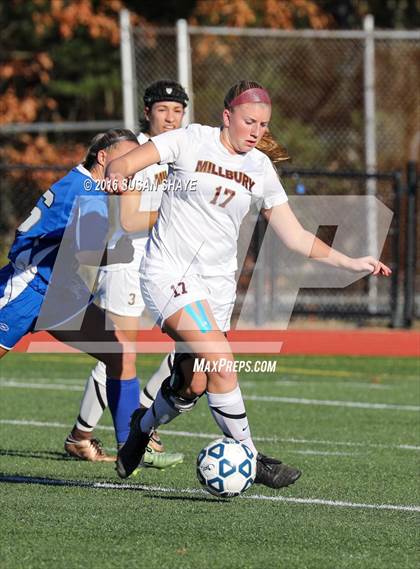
(194, 491)
(281, 368)
(323, 452)
(287, 382)
(80, 381)
(289, 370)
(304, 452)
(48, 386)
(210, 436)
(265, 398)
(16, 382)
(332, 403)
(308, 452)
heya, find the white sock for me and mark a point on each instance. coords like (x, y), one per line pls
(160, 413)
(149, 392)
(94, 400)
(228, 411)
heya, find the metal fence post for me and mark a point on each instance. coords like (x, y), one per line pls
(370, 148)
(129, 89)
(184, 66)
(260, 313)
(260, 297)
(6, 215)
(396, 300)
(410, 244)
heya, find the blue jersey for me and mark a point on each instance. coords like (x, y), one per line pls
(71, 216)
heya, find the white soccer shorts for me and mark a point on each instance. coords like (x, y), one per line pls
(164, 296)
(119, 292)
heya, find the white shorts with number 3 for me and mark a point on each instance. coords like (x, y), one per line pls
(119, 292)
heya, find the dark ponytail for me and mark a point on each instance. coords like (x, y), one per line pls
(106, 140)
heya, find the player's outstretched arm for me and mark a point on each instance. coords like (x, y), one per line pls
(290, 231)
(132, 162)
(131, 219)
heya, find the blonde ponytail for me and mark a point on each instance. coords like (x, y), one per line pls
(269, 146)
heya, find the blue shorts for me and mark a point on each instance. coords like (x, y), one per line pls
(19, 306)
(25, 308)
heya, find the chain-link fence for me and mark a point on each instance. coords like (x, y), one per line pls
(321, 85)
(279, 274)
(341, 101)
(268, 299)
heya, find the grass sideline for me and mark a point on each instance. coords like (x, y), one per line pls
(63, 513)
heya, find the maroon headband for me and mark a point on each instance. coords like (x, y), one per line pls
(255, 95)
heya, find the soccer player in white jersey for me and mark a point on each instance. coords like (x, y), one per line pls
(119, 286)
(187, 271)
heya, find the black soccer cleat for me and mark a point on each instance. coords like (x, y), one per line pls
(132, 452)
(274, 474)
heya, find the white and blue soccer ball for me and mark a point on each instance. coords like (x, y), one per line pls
(226, 467)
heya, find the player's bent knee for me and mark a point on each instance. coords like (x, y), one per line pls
(129, 365)
(180, 389)
(195, 391)
(227, 376)
(182, 403)
(120, 365)
(222, 379)
(198, 385)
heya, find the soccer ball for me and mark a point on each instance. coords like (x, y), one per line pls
(226, 467)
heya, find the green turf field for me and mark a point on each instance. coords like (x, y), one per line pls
(351, 424)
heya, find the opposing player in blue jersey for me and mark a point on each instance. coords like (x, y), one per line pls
(40, 287)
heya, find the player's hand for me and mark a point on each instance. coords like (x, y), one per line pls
(115, 184)
(371, 265)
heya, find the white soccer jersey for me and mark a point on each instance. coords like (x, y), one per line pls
(197, 229)
(153, 179)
